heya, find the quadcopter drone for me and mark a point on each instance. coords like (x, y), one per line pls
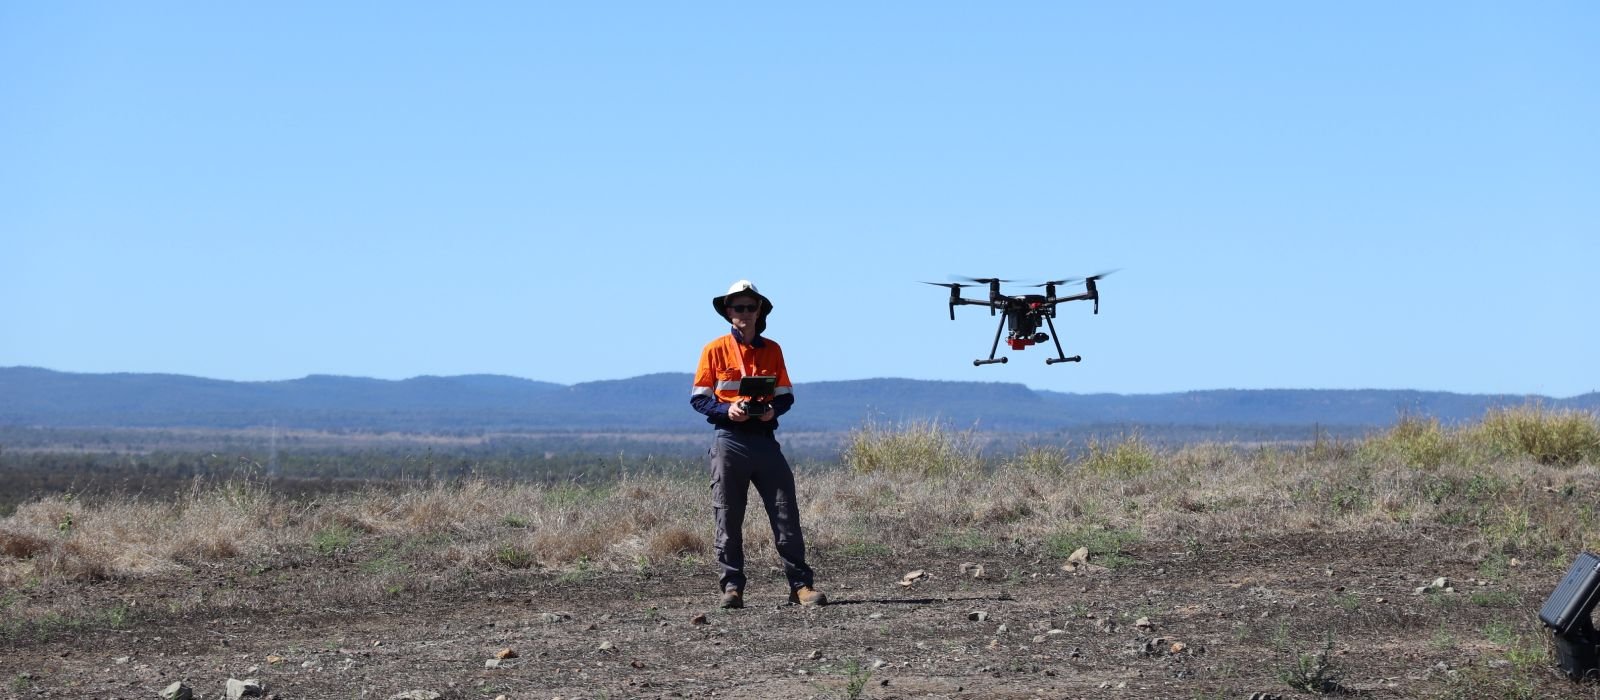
(1023, 312)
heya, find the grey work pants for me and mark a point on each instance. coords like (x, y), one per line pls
(738, 460)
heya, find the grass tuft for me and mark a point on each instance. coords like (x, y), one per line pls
(856, 677)
(1554, 438)
(1557, 438)
(924, 449)
(1313, 672)
(1420, 443)
(676, 542)
(332, 540)
(1107, 547)
(1128, 457)
(514, 557)
(1044, 459)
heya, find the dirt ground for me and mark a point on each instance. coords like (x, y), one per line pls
(1225, 620)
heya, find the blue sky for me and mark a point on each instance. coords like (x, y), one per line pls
(1305, 195)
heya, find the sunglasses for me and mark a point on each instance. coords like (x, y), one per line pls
(744, 308)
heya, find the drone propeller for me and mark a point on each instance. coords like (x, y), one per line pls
(1089, 282)
(1073, 280)
(994, 289)
(955, 294)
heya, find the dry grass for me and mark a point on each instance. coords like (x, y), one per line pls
(20, 546)
(1517, 485)
(672, 542)
(1503, 491)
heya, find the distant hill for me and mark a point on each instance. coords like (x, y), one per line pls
(659, 402)
(1354, 407)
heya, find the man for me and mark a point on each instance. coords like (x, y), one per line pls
(745, 451)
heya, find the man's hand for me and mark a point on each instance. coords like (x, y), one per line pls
(738, 414)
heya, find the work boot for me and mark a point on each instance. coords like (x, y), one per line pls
(806, 595)
(732, 598)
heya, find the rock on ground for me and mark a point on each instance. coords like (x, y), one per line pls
(250, 688)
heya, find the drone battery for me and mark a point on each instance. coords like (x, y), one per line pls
(1567, 609)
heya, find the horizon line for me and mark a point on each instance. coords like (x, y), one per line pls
(821, 381)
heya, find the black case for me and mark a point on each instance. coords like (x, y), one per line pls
(1567, 613)
(1567, 609)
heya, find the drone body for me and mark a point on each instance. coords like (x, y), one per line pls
(1024, 313)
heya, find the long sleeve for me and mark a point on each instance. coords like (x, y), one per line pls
(710, 407)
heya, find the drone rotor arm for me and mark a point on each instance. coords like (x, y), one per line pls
(963, 301)
(1062, 300)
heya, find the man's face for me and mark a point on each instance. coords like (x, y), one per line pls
(743, 310)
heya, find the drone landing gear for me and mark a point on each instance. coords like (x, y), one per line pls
(1038, 338)
(994, 347)
(1060, 356)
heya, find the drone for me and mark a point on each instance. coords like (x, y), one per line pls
(1024, 312)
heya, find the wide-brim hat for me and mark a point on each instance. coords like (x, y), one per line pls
(741, 287)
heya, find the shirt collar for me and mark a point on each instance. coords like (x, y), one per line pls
(756, 342)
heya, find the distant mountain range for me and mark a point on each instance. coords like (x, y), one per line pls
(660, 402)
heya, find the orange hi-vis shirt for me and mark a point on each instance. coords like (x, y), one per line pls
(724, 361)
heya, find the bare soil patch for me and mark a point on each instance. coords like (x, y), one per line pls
(1226, 619)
